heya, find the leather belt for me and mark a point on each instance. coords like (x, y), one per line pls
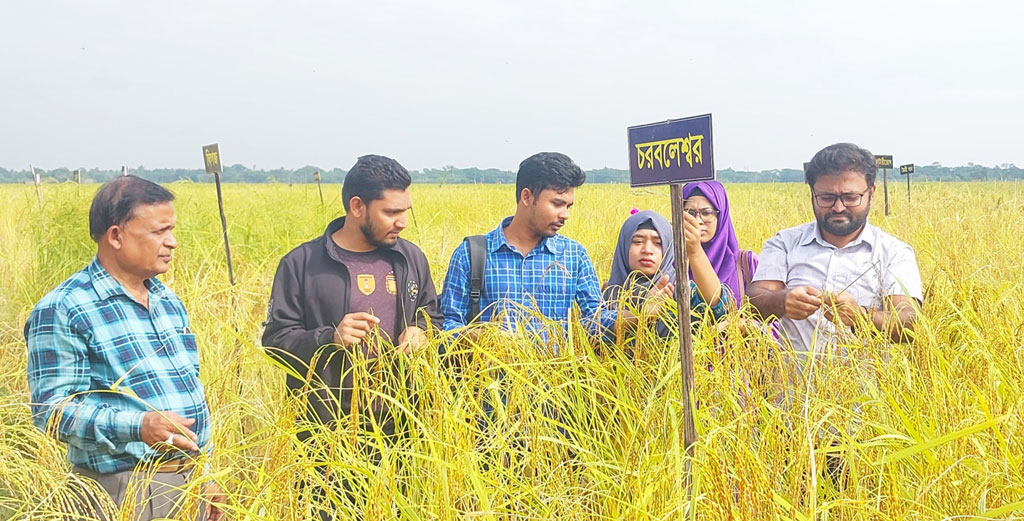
(178, 466)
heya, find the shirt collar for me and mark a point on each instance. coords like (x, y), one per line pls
(868, 235)
(496, 239)
(106, 286)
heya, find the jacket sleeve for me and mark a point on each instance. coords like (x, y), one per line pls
(285, 328)
(428, 309)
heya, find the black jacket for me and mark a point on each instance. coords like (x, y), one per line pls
(309, 298)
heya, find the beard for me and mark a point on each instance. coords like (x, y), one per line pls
(377, 240)
(852, 223)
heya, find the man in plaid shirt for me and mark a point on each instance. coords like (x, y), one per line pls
(112, 364)
(529, 268)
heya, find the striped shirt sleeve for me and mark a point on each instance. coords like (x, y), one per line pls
(59, 377)
(455, 292)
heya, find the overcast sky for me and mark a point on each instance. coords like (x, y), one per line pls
(478, 83)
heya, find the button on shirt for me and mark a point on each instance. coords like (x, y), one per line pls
(549, 279)
(873, 266)
(98, 361)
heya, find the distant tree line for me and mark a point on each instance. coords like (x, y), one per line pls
(452, 175)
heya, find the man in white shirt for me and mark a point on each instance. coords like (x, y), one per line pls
(827, 279)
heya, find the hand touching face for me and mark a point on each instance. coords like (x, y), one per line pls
(705, 214)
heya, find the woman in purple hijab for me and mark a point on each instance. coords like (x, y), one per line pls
(708, 202)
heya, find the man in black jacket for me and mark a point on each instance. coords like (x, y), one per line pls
(356, 290)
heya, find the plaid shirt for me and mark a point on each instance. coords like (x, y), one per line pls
(549, 279)
(98, 361)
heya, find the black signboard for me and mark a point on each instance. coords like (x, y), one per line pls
(211, 156)
(673, 151)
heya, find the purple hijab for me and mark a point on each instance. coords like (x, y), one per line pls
(723, 249)
(620, 262)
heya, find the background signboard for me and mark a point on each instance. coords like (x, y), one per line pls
(883, 162)
(211, 156)
(673, 151)
(907, 169)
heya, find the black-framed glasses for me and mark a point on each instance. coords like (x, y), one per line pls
(850, 200)
(706, 215)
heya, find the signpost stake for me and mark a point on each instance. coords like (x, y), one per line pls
(211, 156)
(676, 152)
(908, 182)
(885, 163)
(316, 177)
(685, 336)
(907, 170)
(885, 186)
(224, 226)
(35, 180)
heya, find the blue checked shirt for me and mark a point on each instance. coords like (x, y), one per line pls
(549, 279)
(98, 361)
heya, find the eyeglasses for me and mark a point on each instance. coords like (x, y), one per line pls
(829, 200)
(706, 215)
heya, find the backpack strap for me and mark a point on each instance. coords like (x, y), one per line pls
(477, 245)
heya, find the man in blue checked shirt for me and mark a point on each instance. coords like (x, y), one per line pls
(112, 364)
(529, 268)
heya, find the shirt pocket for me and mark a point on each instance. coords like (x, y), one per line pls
(188, 341)
(555, 283)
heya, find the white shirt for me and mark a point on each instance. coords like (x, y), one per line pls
(871, 267)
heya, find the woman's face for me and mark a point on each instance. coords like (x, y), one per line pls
(701, 208)
(645, 252)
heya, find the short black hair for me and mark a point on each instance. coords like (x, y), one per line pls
(839, 158)
(370, 176)
(548, 170)
(116, 201)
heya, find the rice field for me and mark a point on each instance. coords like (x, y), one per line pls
(932, 429)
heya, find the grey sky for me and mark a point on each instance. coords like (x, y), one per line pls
(477, 83)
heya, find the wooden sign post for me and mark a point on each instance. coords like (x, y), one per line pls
(676, 152)
(885, 163)
(211, 156)
(316, 177)
(907, 170)
(35, 180)
(77, 176)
